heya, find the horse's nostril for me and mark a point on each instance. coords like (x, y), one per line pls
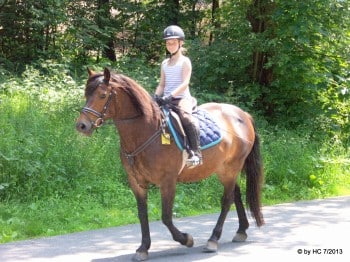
(81, 126)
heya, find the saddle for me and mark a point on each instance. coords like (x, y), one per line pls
(210, 134)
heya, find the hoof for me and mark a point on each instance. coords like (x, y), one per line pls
(190, 241)
(211, 247)
(240, 237)
(140, 256)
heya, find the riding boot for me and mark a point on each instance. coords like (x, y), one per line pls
(195, 155)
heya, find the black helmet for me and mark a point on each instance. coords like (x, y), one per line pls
(173, 32)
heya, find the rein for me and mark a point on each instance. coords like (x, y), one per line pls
(131, 156)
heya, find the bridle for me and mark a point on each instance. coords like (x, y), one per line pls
(100, 120)
(100, 116)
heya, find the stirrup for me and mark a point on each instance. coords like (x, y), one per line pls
(193, 161)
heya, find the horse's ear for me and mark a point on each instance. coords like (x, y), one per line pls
(90, 72)
(107, 74)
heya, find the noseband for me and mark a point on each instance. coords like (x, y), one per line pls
(100, 116)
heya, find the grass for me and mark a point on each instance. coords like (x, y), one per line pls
(298, 167)
(55, 181)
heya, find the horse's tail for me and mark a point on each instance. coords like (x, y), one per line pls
(253, 168)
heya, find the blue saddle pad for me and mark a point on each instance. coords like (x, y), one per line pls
(210, 134)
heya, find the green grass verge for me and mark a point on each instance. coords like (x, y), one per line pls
(55, 181)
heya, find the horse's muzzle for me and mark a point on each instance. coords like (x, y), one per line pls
(84, 127)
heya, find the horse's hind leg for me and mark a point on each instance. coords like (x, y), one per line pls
(241, 234)
(226, 202)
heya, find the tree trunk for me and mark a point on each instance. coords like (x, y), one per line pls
(173, 11)
(104, 11)
(193, 20)
(214, 20)
(259, 16)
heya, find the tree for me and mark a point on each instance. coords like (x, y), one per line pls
(309, 46)
(103, 20)
(29, 29)
(259, 16)
(277, 56)
(172, 11)
(214, 21)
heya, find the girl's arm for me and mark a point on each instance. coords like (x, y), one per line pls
(160, 87)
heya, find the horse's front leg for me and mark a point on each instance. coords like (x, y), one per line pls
(168, 190)
(141, 199)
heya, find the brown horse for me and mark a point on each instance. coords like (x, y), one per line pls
(138, 120)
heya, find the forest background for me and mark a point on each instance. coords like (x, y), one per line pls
(284, 61)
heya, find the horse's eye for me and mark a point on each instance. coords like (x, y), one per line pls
(102, 96)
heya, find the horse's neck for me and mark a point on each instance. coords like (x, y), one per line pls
(134, 127)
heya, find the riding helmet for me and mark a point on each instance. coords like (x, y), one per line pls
(173, 32)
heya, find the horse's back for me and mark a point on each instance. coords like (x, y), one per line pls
(238, 136)
(232, 120)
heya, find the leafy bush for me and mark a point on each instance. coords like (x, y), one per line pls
(335, 101)
(298, 166)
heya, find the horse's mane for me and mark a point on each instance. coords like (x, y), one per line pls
(138, 95)
(140, 98)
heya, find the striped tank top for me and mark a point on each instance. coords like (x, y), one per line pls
(173, 77)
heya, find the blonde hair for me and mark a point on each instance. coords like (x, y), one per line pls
(183, 49)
